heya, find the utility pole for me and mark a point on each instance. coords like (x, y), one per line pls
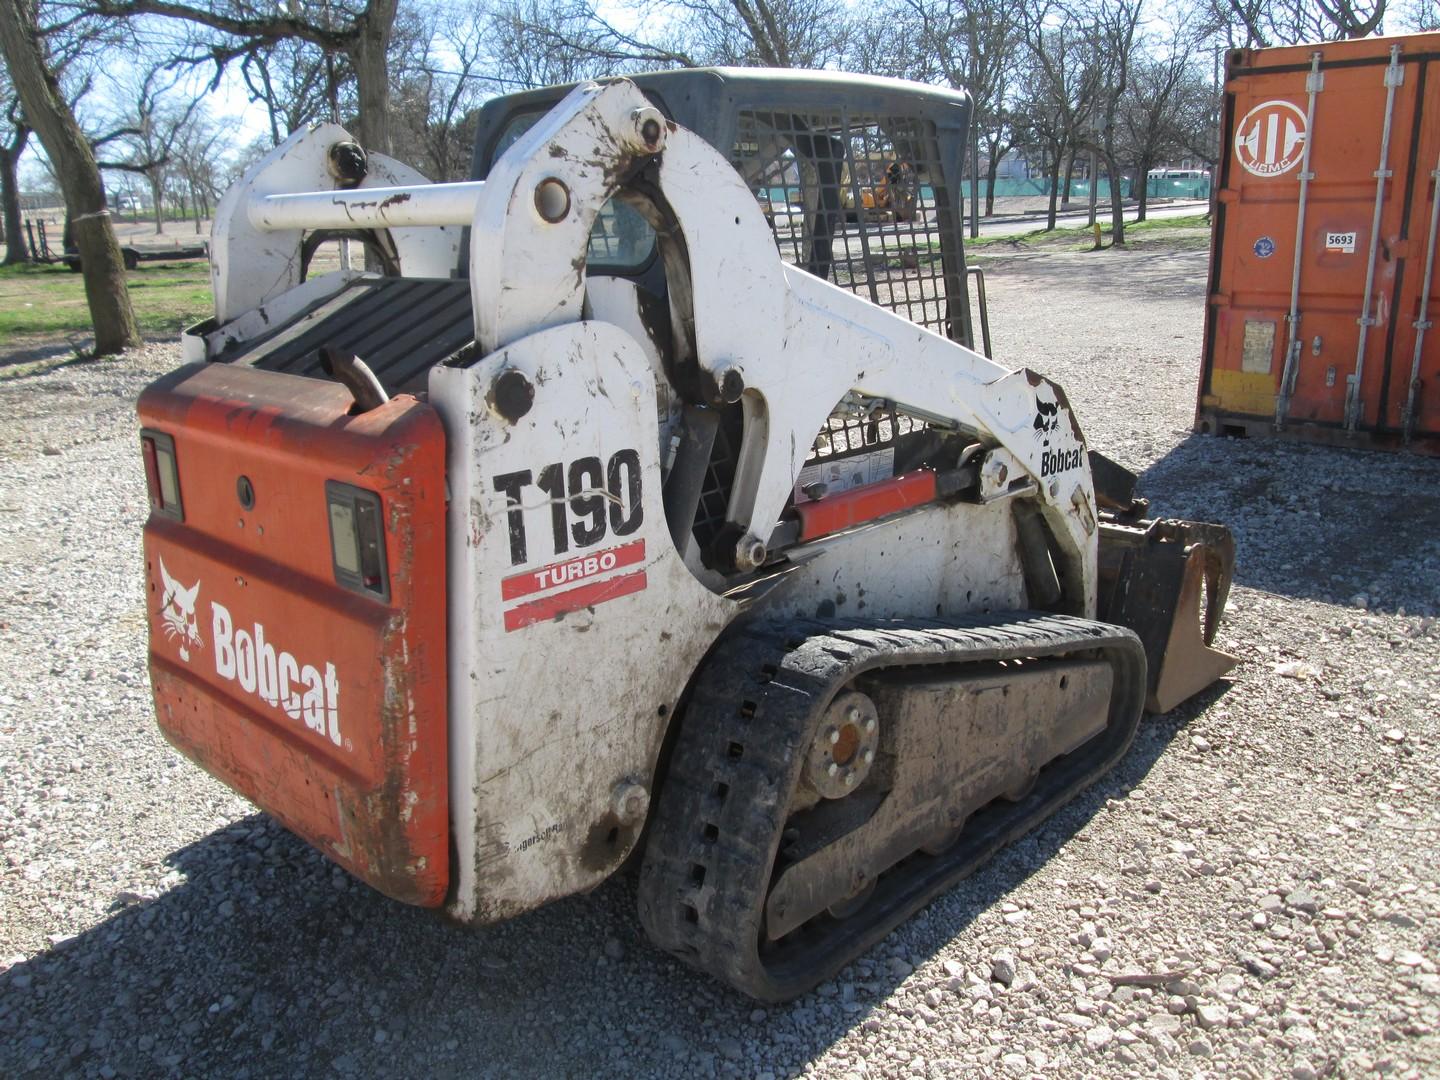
(974, 179)
(1094, 184)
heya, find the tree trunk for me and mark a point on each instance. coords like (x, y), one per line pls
(157, 197)
(1142, 177)
(49, 114)
(1054, 185)
(15, 251)
(1117, 201)
(372, 74)
(974, 184)
(1094, 187)
(1069, 181)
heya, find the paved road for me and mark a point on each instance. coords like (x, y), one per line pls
(1011, 225)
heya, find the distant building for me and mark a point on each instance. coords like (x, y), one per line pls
(1012, 166)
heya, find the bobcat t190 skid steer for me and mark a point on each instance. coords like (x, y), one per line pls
(593, 528)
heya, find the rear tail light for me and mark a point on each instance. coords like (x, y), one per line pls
(357, 539)
(162, 476)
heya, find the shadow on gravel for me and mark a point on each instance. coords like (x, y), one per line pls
(264, 960)
(1318, 522)
(44, 354)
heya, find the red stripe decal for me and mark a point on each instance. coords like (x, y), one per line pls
(569, 571)
(562, 603)
(861, 504)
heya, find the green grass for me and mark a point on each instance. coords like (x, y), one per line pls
(49, 300)
(1174, 233)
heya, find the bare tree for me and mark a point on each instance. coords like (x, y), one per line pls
(1262, 23)
(536, 43)
(1419, 15)
(976, 45)
(296, 83)
(685, 33)
(1149, 109)
(441, 74)
(191, 174)
(46, 108)
(1196, 122)
(887, 42)
(768, 33)
(148, 134)
(1061, 82)
(1112, 27)
(359, 31)
(16, 133)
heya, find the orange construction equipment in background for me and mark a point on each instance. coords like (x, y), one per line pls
(1322, 266)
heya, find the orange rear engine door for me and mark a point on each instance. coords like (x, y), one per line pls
(295, 559)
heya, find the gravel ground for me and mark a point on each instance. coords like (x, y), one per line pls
(1253, 892)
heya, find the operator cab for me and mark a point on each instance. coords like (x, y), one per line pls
(858, 176)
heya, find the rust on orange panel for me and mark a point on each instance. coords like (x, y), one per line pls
(323, 704)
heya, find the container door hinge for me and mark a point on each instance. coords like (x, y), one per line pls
(1393, 78)
(1313, 84)
(1423, 321)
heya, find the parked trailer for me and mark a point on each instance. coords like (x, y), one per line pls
(41, 252)
(1322, 267)
(134, 256)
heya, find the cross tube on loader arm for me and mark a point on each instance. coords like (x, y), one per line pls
(472, 644)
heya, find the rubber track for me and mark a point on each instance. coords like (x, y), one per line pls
(737, 758)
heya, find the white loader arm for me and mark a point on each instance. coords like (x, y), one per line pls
(790, 344)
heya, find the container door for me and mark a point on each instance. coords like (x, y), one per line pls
(1416, 191)
(1269, 128)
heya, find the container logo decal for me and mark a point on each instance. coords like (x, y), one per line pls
(1264, 247)
(588, 580)
(1270, 140)
(177, 613)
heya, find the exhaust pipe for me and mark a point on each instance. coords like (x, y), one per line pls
(355, 374)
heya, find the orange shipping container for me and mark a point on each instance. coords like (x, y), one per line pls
(1322, 266)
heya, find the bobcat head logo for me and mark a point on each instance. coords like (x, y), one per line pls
(177, 609)
(1047, 409)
